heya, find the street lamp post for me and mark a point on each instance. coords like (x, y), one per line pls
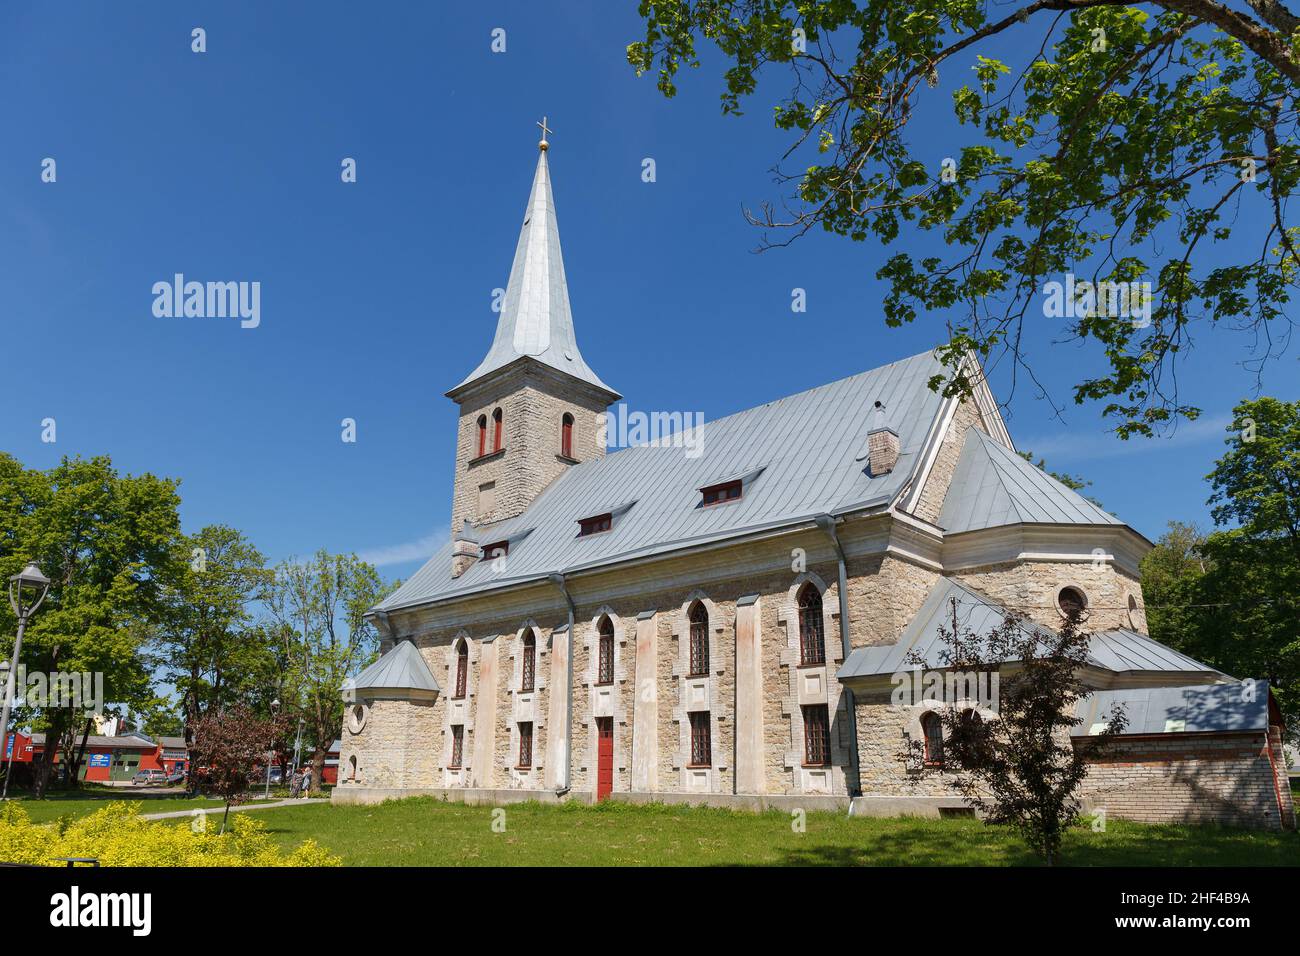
(4, 678)
(297, 745)
(270, 749)
(27, 589)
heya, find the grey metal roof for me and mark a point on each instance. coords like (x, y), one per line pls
(1117, 650)
(1198, 708)
(993, 486)
(402, 668)
(811, 449)
(535, 317)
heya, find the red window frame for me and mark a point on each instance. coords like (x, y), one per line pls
(527, 685)
(605, 652)
(595, 524)
(566, 435)
(699, 636)
(720, 494)
(496, 430)
(816, 735)
(812, 635)
(498, 550)
(932, 731)
(457, 746)
(701, 739)
(462, 671)
(482, 436)
(525, 745)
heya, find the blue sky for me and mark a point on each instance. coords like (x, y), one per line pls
(376, 295)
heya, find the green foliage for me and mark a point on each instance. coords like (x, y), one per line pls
(1017, 764)
(118, 836)
(319, 608)
(104, 540)
(1229, 598)
(1118, 145)
(204, 641)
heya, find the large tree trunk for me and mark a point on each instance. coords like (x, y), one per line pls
(81, 756)
(317, 769)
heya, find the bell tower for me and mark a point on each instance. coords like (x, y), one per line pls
(530, 410)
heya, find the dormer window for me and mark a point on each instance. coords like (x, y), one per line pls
(498, 550)
(595, 524)
(721, 493)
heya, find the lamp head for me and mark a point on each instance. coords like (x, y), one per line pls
(27, 589)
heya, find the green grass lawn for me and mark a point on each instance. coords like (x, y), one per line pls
(428, 832)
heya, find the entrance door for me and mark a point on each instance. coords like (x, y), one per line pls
(604, 757)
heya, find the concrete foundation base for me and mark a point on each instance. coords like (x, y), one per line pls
(474, 796)
(869, 806)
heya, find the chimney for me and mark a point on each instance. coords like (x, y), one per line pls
(464, 550)
(882, 445)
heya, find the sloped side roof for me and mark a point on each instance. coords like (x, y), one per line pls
(402, 668)
(810, 447)
(993, 486)
(536, 319)
(1118, 651)
(1197, 708)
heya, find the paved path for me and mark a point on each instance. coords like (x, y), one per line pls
(176, 814)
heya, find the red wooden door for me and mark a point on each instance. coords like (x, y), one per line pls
(604, 757)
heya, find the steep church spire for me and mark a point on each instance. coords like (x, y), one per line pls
(536, 320)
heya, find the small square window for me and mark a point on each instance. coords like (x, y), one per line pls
(722, 493)
(595, 524)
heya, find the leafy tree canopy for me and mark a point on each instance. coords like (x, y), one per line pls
(1109, 141)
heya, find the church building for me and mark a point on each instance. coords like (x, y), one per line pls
(730, 626)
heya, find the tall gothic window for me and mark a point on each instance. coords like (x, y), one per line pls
(816, 736)
(462, 669)
(457, 746)
(701, 744)
(699, 617)
(482, 435)
(605, 652)
(530, 663)
(812, 641)
(932, 729)
(496, 430)
(566, 435)
(525, 745)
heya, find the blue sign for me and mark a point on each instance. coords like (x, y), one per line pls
(101, 760)
(9, 746)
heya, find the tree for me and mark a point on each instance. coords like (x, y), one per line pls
(319, 607)
(230, 743)
(102, 538)
(1229, 598)
(205, 643)
(1020, 766)
(1126, 145)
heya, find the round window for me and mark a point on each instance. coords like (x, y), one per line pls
(357, 718)
(1071, 600)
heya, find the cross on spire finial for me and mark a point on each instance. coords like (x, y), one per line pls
(545, 130)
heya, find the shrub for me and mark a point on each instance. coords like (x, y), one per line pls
(118, 836)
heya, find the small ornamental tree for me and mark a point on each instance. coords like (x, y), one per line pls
(228, 745)
(1019, 766)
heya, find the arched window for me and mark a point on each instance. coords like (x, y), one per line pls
(605, 652)
(932, 728)
(462, 669)
(496, 430)
(482, 435)
(699, 618)
(352, 764)
(812, 640)
(530, 663)
(566, 435)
